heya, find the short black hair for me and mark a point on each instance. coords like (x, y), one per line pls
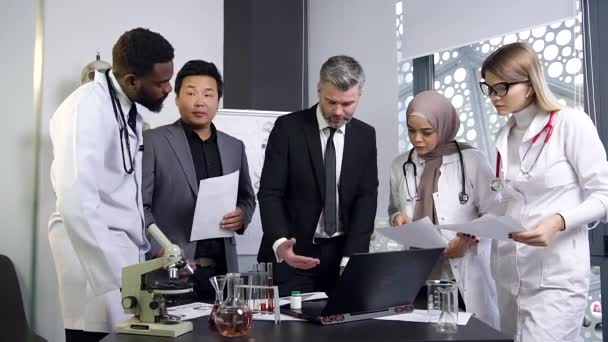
(199, 67)
(137, 50)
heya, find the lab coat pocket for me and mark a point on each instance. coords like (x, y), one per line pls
(551, 277)
(558, 265)
(124, 251)
(559, 175)
(120, 238)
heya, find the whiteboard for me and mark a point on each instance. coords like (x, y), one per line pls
(253, 128)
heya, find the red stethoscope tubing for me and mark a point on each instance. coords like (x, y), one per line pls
(548, 126)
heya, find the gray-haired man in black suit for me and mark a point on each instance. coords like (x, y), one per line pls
(319, 185)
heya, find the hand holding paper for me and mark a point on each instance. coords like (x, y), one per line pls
(401, 219)
(541, 234)
(234, 220)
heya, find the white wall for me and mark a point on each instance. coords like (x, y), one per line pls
(73, 31)
(365, 30)
(17, 31)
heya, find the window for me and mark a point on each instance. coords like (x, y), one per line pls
(457, 74)
(405, 72)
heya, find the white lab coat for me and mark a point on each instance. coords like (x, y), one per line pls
(542, 291)
(97, 228)
(472, 272)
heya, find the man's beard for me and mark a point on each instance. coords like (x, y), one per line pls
(333, 124)
(153, 104)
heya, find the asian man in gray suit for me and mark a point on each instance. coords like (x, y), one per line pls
(177, 156)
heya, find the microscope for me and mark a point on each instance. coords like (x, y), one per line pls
(147, 301)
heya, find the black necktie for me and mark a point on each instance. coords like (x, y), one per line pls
(331, 207)
(132, 119)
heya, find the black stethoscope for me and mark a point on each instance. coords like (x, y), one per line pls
(462, 196)
(497, 184)
(123, 132)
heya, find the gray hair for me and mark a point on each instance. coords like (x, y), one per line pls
(342, 71)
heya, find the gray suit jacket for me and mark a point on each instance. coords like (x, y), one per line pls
(170, 187)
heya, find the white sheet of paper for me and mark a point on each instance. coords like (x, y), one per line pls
(216, 197)
(305, 297)
(270, 317)
(424, 316)
(497, 228)
(190, 311)
(420, 234)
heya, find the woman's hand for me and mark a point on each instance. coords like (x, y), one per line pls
(542, 234)
(400, 219)
(458, 246)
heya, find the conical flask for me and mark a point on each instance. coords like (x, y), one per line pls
(219, 283)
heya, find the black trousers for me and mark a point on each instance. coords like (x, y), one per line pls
(323, 277)
(212, 249)
(83, 336)
(203, 291)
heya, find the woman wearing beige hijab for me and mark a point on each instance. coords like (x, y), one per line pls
(447, 182)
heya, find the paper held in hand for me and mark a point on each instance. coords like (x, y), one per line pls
(423, 234)
(493, 227)
(217, 197)
(420, 234)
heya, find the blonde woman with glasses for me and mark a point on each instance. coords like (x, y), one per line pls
(552, 172)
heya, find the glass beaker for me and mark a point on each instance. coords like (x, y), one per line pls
(442, 305)
(233, 317)
(218, 282)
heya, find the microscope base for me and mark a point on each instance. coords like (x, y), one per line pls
(171, 329)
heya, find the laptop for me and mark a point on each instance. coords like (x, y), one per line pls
(372, 285)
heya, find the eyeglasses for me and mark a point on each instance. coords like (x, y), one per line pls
(499, 89)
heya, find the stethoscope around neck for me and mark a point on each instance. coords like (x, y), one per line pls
(123, 132)
(463, 197)
(497, 184)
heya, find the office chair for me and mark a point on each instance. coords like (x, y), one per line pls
(13, 322)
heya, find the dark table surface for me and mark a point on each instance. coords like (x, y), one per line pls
(368, 330)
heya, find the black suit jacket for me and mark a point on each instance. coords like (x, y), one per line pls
(291, 194)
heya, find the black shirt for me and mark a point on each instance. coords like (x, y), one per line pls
(207, 164)
(205, 153)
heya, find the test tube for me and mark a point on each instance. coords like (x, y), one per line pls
(262, 281)
(269, 282)
(253, 275)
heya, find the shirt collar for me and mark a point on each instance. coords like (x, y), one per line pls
(192, 133)
(323, 123)
(124, 100)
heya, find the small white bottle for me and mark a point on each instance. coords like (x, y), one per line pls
(295, 300)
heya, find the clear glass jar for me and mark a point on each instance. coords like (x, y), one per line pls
(442, 305)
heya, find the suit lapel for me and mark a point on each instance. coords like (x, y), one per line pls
(177, 140)
(314, 148)
(221, 144)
